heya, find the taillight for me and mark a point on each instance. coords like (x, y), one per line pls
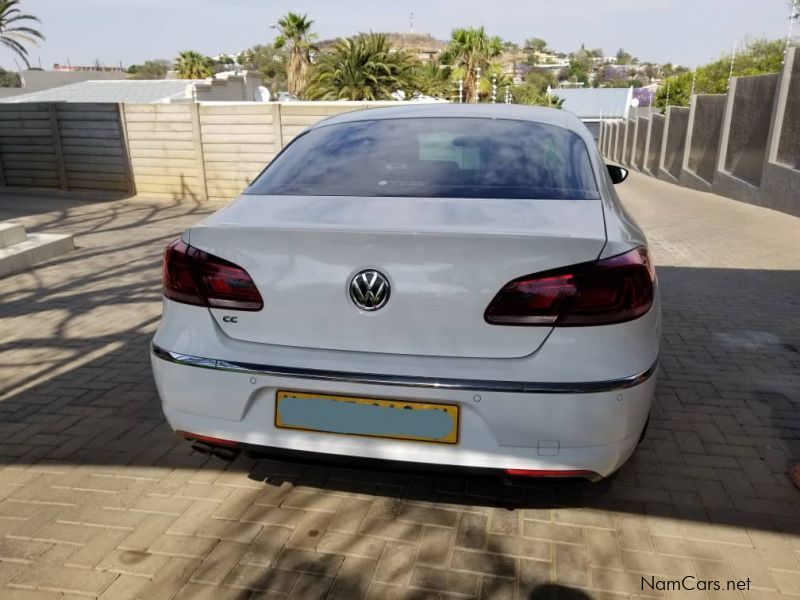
(192, 276)
(612, 290)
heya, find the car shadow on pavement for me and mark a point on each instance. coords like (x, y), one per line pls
(85, 442)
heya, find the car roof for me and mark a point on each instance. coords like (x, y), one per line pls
(516, 112)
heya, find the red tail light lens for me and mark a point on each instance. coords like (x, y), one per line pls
(550, 473)
(192, 276)
(613, 290)
(206, 438)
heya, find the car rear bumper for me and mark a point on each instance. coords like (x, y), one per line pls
(592, 426)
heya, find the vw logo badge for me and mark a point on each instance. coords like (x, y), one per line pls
(369, 290)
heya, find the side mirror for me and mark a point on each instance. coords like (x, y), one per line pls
(618, 174)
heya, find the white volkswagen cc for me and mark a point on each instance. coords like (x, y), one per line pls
(440, 284)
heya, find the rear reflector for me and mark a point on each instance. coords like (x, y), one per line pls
(549, 473)
(207, 439)
(192, 276)
(612, 290)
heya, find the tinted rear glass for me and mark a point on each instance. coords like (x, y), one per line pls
(450, 157)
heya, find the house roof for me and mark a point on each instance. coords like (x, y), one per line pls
(132, 90)
(596, 103)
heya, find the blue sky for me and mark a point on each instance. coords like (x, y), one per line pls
(689, 32)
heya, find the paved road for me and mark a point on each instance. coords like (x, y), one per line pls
(98, 498)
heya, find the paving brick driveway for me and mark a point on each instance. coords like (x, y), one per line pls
(98, 498)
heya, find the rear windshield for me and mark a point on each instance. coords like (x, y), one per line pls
(439, 157)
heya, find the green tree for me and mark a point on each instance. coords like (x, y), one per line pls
(14, 34)
(577, 71)
(541, 79)
(527, 93)
(270, 62)
(675, 91)
(365, 67)
(471, 49)
(9, 79)
(623, 58)
(535, 44)
(651, 71)
(295, 35)
(193, 65)
(151, 69)
(495, 71)
(756, 58)
(433, 78)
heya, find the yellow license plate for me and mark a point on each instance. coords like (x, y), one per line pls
(370, 417)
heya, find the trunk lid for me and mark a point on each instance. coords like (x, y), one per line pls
(444, 258)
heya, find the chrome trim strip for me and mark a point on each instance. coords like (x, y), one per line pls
(478, 385)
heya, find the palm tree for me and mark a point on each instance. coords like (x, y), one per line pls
(193, 65)
(493, 69)
(434, 79)
(15, 36)
(362, 68)
(526, 93)
(471, 49)
(295, 35)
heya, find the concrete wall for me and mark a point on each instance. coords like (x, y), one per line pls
(707, 114)
(237, 141)
(675, 128)
(630, 142)
(179, 150)
(594, 129)
(744, 144)
(780, 182)
(612, 140)
(788, 147)
(605, 131)
(215, 150)
(655, 134)
(641, 142)
(164, 149)
(76, 146)
(600, 141)
(620, 141)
